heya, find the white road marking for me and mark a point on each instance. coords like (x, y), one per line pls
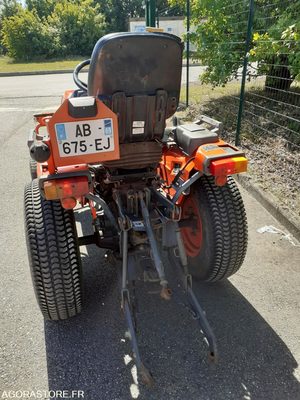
(134, 387)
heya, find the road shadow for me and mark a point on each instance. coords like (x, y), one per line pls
(90, 353)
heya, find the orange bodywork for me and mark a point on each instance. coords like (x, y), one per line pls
(67, 94)
(71, 189)
(172, 159)
(218, 159)
(61, 116)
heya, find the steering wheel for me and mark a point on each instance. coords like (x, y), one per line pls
(79, 67)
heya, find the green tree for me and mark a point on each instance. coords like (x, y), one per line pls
(48, 28)
(220, 34)
(277, 50)
(118, 12)
(78, 24)
(44, 8)
(7, 9)
(164, 9)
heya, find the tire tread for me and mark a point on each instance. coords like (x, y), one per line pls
(229, 221)
(53, 255)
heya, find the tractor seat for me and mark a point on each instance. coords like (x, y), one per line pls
(190, 136)
(138, 76)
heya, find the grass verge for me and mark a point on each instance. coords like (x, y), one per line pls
(8, 65)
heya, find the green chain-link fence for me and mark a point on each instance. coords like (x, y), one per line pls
(272, 93)
(260, 41)
(249, 52)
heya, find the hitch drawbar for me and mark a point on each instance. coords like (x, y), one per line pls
(127, 225)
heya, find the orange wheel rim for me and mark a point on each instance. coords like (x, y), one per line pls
(192, 235)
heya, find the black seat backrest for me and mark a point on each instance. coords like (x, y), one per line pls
(138, 75)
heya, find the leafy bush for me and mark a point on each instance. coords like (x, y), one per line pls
(44, 8)
(278, 50)
(72, 28)
(7, 9)
(79, 26)
(26, 36)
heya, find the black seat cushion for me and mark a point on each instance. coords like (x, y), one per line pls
(138, 75)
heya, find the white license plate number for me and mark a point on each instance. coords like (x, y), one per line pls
(85, 137)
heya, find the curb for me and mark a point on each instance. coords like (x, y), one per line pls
(286, 218)
(61, 71)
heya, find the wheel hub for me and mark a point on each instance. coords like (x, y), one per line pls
(192, 235)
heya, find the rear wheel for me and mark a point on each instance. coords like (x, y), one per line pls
(33, 168)
(216, 240)
(53, 255)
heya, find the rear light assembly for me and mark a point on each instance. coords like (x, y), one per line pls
(220, 169)
(68, 190)
(228, 166)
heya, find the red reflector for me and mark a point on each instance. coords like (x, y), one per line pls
(221, 180)
(65, 189)
(69, 203)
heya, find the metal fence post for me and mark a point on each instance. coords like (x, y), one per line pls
(187, 52)
(245, 65)
(150, 13)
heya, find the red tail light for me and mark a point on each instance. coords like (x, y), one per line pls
(67, 188)
(227, 166)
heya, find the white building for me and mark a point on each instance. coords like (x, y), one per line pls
(173, 25)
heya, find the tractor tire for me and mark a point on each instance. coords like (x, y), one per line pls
(216, 242)
(53, 255)
(33, 168)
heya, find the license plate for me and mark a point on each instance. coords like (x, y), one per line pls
(85, 137)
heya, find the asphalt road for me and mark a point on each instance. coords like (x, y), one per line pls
(255, 314)
(56, 84)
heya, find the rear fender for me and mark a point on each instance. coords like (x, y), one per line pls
(218, 159)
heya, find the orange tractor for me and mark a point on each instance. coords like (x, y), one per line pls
(150, 187)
